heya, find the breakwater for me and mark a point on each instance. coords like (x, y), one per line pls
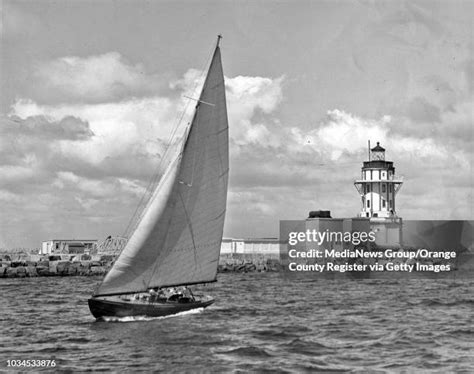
(13, 266)
(48, 266)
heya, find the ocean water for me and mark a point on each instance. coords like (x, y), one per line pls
(260, 322)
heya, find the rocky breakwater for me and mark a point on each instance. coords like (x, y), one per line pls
(244, 264)
(57, 265)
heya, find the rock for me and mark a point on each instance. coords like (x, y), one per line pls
(97, 270)
(31, 263)
(53, 268)
(107, 265)
(11, 272)
(63, 267)
(107, 258)
(250, 267)
(42, 264)
(15, 264)
(230, 267)
(84, 271)
(42, 271)
(31, 271)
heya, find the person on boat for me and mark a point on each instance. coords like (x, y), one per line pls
(186, 293)
(153, 295)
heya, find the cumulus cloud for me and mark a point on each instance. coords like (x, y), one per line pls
(246, 97)
(142, 126)
(127, 127)
(94, 158)
(98, 78)
(67, 128)
(304, 168)
(29, 148)
(101, 155)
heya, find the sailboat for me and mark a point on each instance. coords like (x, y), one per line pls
(177, 240)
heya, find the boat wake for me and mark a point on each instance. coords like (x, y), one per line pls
(146, 318)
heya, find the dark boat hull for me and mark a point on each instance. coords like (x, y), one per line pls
(101, 307)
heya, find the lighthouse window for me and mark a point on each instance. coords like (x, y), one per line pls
(383, 188)
(384, 203)
(368, 203)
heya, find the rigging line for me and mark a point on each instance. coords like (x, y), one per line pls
(151, 185)
(194, 149)
(199, 101)
(196, 84)
(148, 191)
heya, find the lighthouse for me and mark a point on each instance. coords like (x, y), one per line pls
(378, 186)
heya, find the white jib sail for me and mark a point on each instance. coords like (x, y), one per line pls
(179, 237)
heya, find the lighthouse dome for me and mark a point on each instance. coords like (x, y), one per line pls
(378, 148)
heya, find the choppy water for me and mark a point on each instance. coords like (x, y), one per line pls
(260, 322)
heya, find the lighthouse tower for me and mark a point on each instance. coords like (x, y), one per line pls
(378, 187)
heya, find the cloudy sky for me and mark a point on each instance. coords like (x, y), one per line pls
(90, 91)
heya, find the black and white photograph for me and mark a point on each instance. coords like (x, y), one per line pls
(207, 186)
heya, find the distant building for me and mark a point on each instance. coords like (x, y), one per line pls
(267, 247)
(68, 246)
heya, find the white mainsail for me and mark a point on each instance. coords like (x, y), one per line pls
(178, 239)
